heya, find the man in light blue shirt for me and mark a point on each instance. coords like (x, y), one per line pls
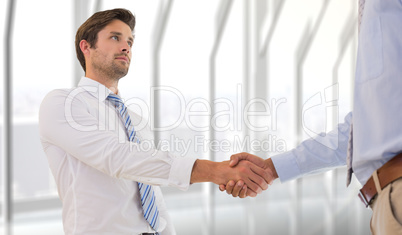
(371, 136)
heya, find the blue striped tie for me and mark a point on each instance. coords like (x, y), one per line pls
(151, 212)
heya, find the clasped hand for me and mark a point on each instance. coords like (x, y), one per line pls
(254, 174)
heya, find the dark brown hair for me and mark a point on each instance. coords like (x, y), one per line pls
(89, 29)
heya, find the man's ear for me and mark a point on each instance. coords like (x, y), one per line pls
(84, 46)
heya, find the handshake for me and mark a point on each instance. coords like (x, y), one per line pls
(244, 175)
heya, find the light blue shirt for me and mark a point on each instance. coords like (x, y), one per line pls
(377, 107)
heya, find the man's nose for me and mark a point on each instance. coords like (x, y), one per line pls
(125, 48)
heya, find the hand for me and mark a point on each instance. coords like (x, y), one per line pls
(238, 189)
(255, 177)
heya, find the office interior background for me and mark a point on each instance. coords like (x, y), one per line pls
(222, 76)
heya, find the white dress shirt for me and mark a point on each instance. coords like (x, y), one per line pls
(95, 165)
(377, 108)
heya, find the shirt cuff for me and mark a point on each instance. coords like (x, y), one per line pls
(286, 166)
(180, 172)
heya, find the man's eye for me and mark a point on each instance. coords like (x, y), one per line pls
(115, 38)
(130, 44)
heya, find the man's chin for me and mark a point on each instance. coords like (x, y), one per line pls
(121, 73)
(123, 69)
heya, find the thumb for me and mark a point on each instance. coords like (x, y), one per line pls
(235, 158)
(233, 161)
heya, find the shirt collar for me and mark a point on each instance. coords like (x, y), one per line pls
(96, 89)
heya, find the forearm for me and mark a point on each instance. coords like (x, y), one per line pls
(315, 155)
(205, 171)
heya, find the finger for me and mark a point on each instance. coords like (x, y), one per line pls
(243, 192)
(264, 174)
(236, 190)
(253, 186)
(236, 158)
(250, 193)
(229, 187)
(222, 187)
(252, 179)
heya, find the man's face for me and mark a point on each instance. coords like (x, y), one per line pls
(111, 55)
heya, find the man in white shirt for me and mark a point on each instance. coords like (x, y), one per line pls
(370, 139)
(98, 162)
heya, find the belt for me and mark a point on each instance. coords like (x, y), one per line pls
(149, 234)
(389, 172)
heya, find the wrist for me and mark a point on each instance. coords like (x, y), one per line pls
(271, 166)
(203, 171)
